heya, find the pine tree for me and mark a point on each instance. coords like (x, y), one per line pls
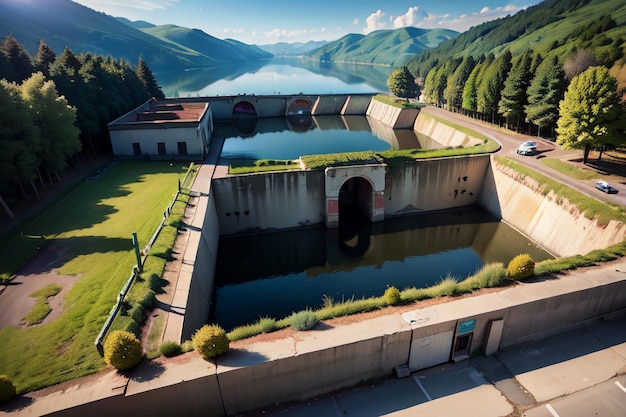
(545, 91)
(492, 83)
(454, 89)
(44, 58)
(147, 79)
(18, 58)
(514, 98)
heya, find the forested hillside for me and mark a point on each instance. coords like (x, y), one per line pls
(382, 47)
(55, 111)
(524, 71)
(63, 23)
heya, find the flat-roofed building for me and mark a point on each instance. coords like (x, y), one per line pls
(163, 129)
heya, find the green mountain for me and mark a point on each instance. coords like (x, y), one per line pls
(293, 48)
(62, 23)
(197, 45)
(383, 47)
(552, 27)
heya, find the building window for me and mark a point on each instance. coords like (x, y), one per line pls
(161, 147)
(182, 148)
(137, 148)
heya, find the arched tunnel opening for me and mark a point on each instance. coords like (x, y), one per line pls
(355, 225)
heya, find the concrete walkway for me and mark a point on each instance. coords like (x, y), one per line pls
(179, 272)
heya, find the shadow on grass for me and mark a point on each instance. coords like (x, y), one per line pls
(59, 251)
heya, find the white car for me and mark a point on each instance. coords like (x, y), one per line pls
(527, 148)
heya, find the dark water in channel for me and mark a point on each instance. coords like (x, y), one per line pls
(283, 138)
(274, 274)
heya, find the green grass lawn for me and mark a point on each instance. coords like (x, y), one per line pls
(93, 223)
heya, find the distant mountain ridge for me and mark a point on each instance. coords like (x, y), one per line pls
(292, 49)
(382, 47)
(63, 23)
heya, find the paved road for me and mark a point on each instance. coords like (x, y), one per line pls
(546, 149)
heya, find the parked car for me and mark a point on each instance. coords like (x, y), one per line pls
(605, 187)
(527, 148)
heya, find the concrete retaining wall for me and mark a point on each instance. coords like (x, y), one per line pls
(435, 184)
(312, 363)
(518, 201)
(282, 200)
(320, 362)
(446, 135)
(200, 291)
(277, 200)
(395, 117)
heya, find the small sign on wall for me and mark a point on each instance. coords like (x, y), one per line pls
(466, 327)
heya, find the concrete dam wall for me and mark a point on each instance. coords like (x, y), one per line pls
(281, 200)
(552, 222)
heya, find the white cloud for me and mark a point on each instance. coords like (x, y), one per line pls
(355, 21)
(375, 21)
(410, 18)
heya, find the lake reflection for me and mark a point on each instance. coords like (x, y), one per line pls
(275, 274)
(275, 76)
(282, 138)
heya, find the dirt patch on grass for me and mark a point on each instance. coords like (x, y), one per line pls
(15, 296)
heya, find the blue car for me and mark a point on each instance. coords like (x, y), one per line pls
(605, 187)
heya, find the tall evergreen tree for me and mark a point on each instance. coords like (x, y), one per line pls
(454, 88)
(44, 58)
(470, 90)
(18, 57)
(590, 112)
(545, 91)
(514, 98)
(147, 79)
(491, 85)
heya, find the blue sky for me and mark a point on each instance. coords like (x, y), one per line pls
(271, 21)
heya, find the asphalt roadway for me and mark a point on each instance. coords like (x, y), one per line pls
(578, 373)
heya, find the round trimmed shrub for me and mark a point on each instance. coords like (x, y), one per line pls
(7, 389)
(122, 350)
(392, 296)
(521, 267)
(169, 349)
(210, 341)
(304, 320)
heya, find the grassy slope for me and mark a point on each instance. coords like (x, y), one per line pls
(94, 223)
(541, 40)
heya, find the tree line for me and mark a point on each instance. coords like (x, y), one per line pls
(54, 112)
(578, 102)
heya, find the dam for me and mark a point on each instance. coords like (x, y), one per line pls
(283, 200)
(335, 358)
